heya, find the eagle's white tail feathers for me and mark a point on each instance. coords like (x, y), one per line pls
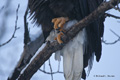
(78, 63)
(73, 57)
(67, 65)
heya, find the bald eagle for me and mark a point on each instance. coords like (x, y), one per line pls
(79, 52)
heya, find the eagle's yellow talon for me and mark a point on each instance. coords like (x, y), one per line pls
(58, 25)
(59, 22)
(59, 38)
(55, 38)
(53, 20)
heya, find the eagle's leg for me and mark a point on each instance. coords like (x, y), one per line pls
(58, 25)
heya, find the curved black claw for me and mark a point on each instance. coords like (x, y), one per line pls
(58, 31)
(62, 44)
(58, 28)
(63, 32)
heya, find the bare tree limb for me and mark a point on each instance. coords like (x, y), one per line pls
(16, 28)
(44, 55)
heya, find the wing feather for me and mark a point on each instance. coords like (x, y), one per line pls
(94, 33)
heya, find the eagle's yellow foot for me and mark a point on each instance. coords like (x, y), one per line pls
(58, 38)
(59, 22)
(58, 25)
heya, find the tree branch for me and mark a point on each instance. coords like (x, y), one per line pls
(111, 15)
(116, 8)
(110, 43)
(47, 51)
(30, 48)
(51, 72)
(16, 28)
(50, 69)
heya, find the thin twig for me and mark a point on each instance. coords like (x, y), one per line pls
(16, 28)
(50, 69)
(50, 72)
(110, 43)
(114, 33)
(111, 15)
